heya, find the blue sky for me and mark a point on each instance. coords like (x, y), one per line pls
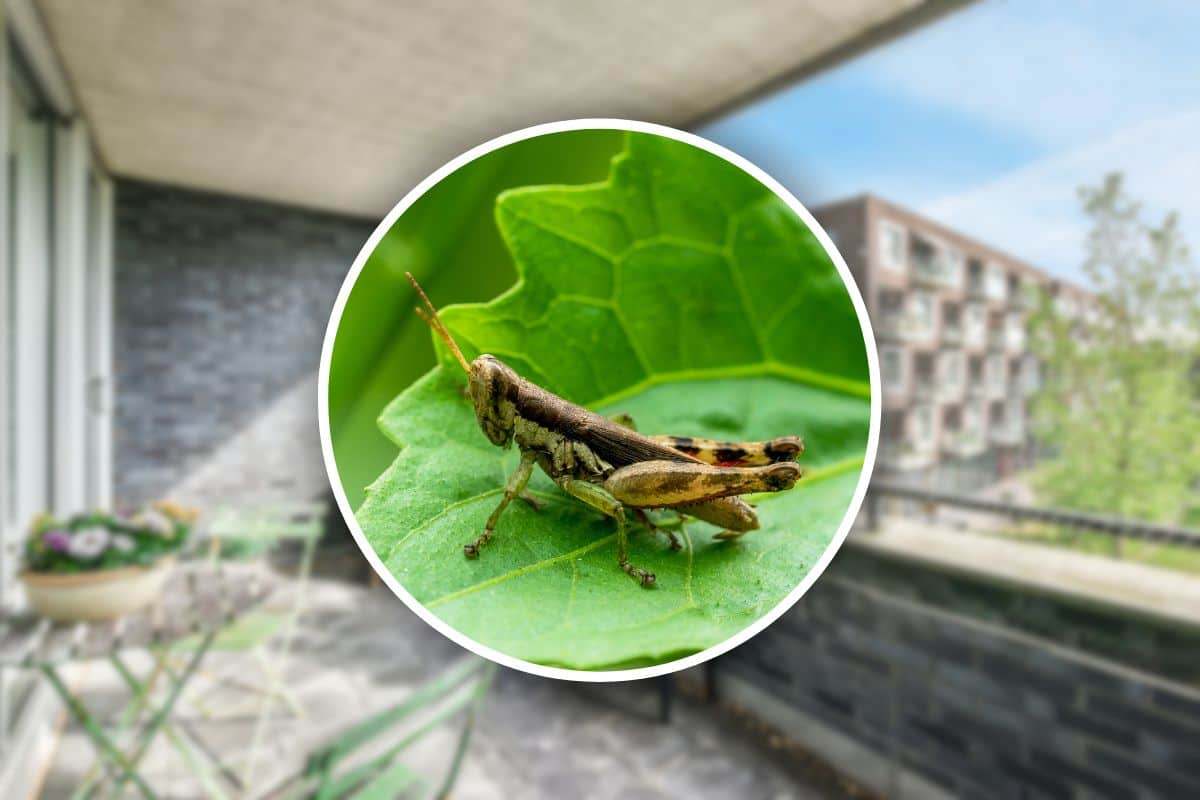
(990, 120)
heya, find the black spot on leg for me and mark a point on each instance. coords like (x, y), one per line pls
(729, 455)
(785, 448)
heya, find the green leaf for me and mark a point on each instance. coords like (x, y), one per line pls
(685, 293)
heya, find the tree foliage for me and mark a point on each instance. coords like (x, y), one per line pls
(1119, 401)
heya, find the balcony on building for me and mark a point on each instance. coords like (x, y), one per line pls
(1012, 292)
(975, 279)
(1029, 379)
(951, 376)
(906, 316)
(995, 283)
(997, 332)
(1007, 428)
(925, 382)
(892, 247)
(935, 266)
(1014, 332)
(894, 371)
(963, 442)
(995, 376)
(976, 382)
(952, 324)
(912, 443)
(974, 326)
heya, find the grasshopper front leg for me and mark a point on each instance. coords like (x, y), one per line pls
(516, 485)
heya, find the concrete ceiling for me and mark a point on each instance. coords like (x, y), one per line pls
(345, 106)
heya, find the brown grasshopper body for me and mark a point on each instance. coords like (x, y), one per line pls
(608, 465)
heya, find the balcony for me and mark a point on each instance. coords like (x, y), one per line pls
(1015, 339)
(931, 268)
(975, 334)
(950, 391)
(952, 335)
(1008, 434)
(905, 456)
(925, 391)
(997, 339)
(995, 288)
(995, 379)
(904, 327)
(1029, 381)
(964, 443)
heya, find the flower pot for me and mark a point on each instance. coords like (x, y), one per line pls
(103, 594)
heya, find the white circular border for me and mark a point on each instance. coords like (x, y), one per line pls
(598, 676)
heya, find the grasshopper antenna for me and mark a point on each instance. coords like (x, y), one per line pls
(434, 321)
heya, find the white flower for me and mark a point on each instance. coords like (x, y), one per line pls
(155, 521)
(88, 543)
(122, 543)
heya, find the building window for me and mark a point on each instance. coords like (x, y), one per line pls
(923, 425)
(995, 286)
(952, 368)
(922, 310)
(892, 242)
(956, 268)
(891, 365)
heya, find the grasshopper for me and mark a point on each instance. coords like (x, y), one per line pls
(605, 463)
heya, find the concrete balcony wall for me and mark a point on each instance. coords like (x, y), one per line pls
(923, 681)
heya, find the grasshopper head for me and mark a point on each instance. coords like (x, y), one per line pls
(493, 388)
(492, 383)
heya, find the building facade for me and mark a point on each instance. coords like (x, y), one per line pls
(951, 320)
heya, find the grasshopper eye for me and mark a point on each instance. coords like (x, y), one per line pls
(491, 384)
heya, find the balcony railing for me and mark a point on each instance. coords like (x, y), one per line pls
(964, 443)
(936, 271)
(905, 327)
(950, 391)
(1121, 528)
(1007, 434)
(1014, 338)
(905, 456)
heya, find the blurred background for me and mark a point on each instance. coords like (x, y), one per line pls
(1017, 612)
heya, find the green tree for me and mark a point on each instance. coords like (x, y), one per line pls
(1119, 403)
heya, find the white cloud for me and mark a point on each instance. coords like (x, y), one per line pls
(1034, 213)
(1059, 74)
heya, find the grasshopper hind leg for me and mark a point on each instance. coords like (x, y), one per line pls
(672, 537)
(600, 499)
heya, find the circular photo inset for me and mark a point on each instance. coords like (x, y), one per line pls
(599, 400)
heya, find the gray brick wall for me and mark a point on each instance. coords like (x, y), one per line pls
(221, 304)
(979, 708)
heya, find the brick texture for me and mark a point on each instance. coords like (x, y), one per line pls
(956, 684)
(221, 306)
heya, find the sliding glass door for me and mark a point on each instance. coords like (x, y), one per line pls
(28, 316)
(55, 342)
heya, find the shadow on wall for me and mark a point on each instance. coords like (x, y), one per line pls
(221, 305)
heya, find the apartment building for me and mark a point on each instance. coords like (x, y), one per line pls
(950, 316)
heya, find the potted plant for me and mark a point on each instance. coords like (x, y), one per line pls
(98, 565)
